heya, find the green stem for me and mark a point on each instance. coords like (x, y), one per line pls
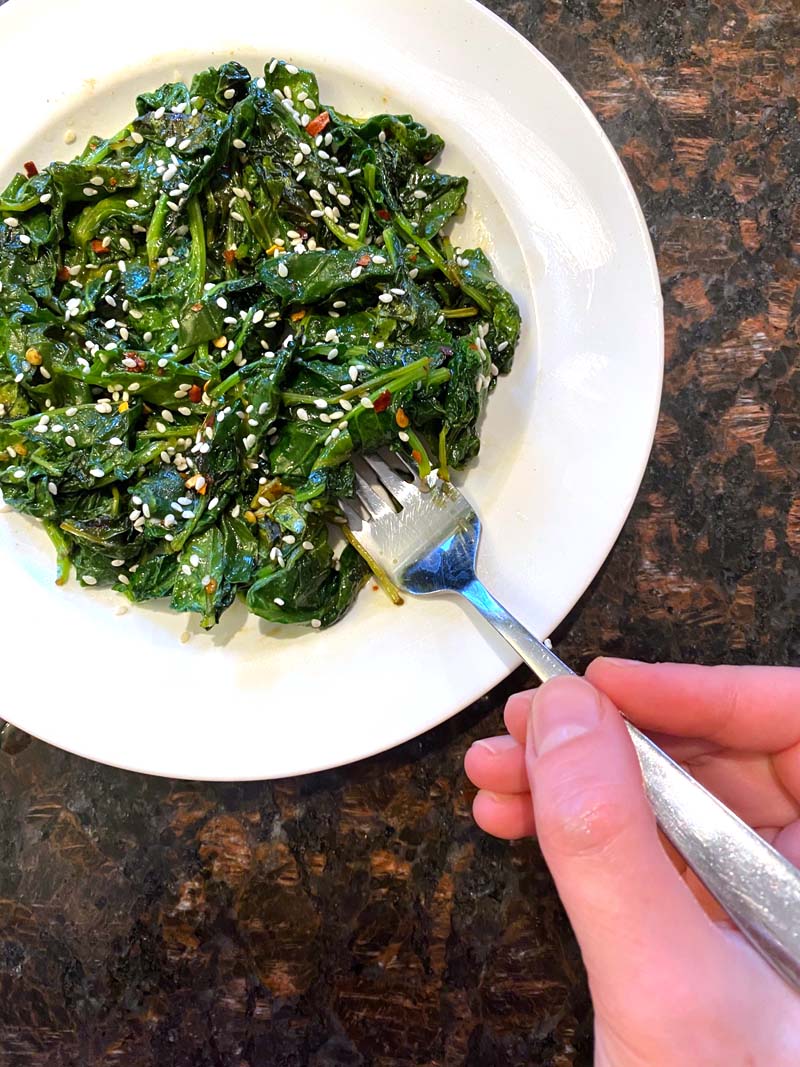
(197, 255)
(170, 432)
(351, 240)
(363, 228)
(460, 313)
(444, 472)
(423, 463)
(62, 547)
(155, 231)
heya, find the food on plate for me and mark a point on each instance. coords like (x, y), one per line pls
(203, 320)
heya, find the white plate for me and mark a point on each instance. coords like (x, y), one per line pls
(564, 444)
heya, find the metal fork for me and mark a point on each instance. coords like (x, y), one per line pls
(426, 538)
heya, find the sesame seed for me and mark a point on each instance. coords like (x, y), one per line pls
(283, 270)
(386, 298)
(249, 441)
(302, 414)
(320, 403)
(239, 143)
(277, 600)
(344, 199)
(89, 191)
(184, 144)
(70, 440)
(96, 472)
(356, 272)
(45, 198)
(229, 94)
(316, 623)
(24, 239)
(88, 579)
(315, 194)
(52, 488)
(366, 402)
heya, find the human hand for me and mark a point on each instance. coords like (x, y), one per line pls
(673, 984)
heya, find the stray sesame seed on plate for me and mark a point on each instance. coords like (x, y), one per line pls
(316, 623)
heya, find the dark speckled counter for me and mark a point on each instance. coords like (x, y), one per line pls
(357, 917)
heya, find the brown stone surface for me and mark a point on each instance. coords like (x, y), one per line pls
(357, 917)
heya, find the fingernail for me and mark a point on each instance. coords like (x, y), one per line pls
(494, 745)
(617, 662)
(562, 711)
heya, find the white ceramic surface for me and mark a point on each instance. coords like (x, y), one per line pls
(565, 441)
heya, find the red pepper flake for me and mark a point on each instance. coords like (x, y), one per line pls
(30, 168)
(383, 214)
(63, 274)
(416, 456)
(112, 182)
(383, 401)
(195, 394)
(99, 248)
(364, 261)
(141, 364)
(229, 255)
(317, 125)
(401, 419)
(197, 307)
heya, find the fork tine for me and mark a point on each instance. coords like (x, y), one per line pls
(404, 492)
(375, 504)
(354, 520)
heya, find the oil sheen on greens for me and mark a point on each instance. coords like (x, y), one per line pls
(204, 318)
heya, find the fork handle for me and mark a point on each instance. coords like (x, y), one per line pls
(757, 887)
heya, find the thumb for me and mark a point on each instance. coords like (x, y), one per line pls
(635, 919)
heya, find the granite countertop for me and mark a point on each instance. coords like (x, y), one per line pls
(357, 917)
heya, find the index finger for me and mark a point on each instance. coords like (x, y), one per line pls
(737, 707)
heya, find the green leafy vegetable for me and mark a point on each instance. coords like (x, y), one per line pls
(207, 316)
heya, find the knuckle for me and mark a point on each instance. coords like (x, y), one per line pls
(583, 818)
